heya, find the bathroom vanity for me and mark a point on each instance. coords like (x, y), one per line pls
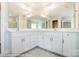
(60, 42)
(56, 30)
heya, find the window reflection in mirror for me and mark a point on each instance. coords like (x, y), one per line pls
(66, 24)
(35, 23)
(12, 23)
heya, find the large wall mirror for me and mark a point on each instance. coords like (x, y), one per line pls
(36, 22)
(44, 15)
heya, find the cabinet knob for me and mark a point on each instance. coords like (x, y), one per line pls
(67, 34)
(22, 40)
(42, 37)
(51, 39)
(63, 41)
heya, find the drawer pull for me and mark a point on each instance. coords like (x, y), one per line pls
(67, 34)
(63, 41)
(51, 39)
(22, 40)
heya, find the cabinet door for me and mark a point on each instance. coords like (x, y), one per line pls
(17, 46)
(57, 42)
(44, 40)
(26, 42)
(69, 46)
(41, 39)
(17, 43)
(31, 39)
(47, 42)
(41, 42)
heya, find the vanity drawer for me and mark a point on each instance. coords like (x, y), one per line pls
(69, 35)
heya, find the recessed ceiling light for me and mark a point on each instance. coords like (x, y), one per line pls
(23, 6)
(43, 15)
(29, 15)
(51, 7)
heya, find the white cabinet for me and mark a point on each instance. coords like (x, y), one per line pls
(47, 40)
(41, 39)
(44, 40)
(71, 44)
(17, 46)
(17, 40)
(56, 42)
(23, 41)
(51, 41)
(33, 39)
(26, 43)
(64, 43)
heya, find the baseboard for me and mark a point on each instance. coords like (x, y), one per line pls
(26, 51)
(51, 52)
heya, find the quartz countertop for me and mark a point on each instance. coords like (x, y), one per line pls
(58, 30)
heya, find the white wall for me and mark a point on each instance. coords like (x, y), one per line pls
(5, 41)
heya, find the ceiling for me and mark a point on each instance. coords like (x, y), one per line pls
(44, 9)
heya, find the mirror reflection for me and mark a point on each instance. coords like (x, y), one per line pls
(36, 22)
(40, 15)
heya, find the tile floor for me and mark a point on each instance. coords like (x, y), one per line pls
(37, 52)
